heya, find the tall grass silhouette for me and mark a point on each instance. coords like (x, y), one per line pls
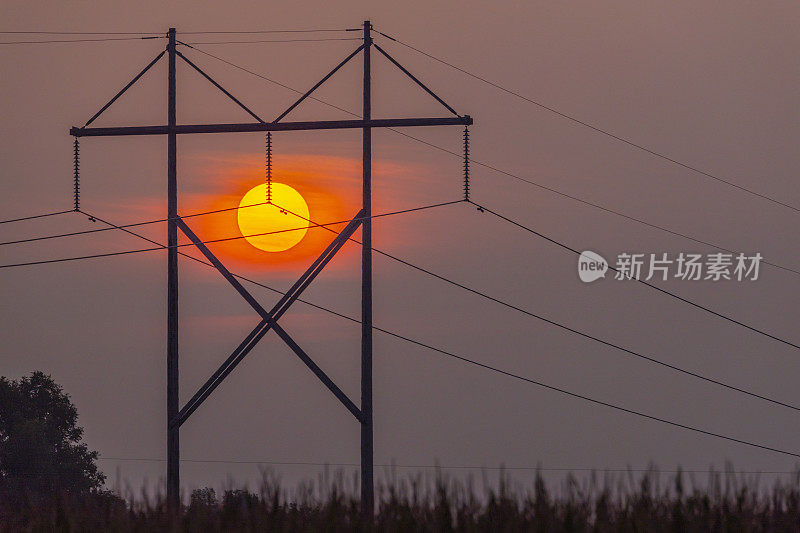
(720, 501)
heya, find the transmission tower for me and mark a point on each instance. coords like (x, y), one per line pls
(177, 415)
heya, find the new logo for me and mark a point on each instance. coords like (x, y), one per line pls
(591, 266)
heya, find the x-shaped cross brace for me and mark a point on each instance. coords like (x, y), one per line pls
(269, 320)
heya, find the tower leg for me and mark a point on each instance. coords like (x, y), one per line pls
(173, 443)
(367, 482)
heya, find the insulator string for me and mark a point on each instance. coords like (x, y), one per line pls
(466, 163)
(77, 177)
(269, 167)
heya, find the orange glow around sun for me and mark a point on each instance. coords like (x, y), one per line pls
(319, 188)
(275, 226)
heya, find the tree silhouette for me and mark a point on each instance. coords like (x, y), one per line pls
(40, 448)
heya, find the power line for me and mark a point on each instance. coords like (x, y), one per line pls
(595, 128)
(82, 232)
(562, 326)
(548, 108)
(81, 33)
(476, 363)
(147, 222)
(222, 239)
(587, 335)
(97, 40)
(581, 333)
(81, 257)
(430, 273)
(464, 71)
(160, 33)
(480, 163)
(36, 216)
(656, 287)
(519, 309)
(318, 30)
(486, 165)
(585, 398)
(592, 400)
(613, 469)
(279, 41)
(584, 201)
(484, 295)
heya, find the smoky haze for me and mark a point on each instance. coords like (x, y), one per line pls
(710, 85)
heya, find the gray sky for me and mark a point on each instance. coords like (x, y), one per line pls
(712, 86)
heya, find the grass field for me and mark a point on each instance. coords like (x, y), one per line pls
(600, 502)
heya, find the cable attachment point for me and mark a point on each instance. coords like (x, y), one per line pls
(466, 163)
(77, 177)
(269, 167)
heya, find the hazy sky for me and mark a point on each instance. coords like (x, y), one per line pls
(712, 86)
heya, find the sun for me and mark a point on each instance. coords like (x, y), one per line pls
(288, 211)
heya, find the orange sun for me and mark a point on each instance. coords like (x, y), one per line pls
(274, 227)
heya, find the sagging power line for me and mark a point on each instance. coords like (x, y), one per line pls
(313, 224)
(204, 213)
(32, 217)
(596, 129)
(484, 366)
(647, 283)
(599, 469)
(494, 168)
